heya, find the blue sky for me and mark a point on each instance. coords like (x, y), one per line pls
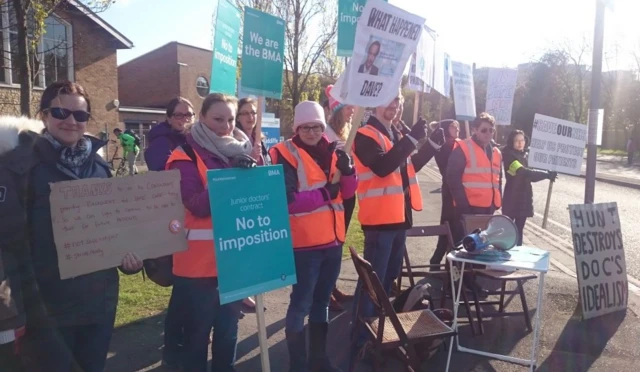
(498, 33)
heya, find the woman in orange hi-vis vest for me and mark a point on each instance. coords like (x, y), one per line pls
(213, 142)
(316, 213)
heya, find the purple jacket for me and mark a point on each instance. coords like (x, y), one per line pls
(195, 196)
(162, 140)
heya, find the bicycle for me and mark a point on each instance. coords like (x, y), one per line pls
(122, 170)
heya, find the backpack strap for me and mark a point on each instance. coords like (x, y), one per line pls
(189, 151)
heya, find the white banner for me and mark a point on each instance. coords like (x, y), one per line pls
(600, 261)
(463, 91)
(500, 91)
(441, 70)
(421, 71)
(385, 39)
(557, 145)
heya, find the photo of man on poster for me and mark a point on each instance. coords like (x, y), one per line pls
(372, 53)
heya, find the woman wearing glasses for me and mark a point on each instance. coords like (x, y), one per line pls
(316, 213)
(163, 139)
(73, 329)
(246, 121)
(168, 135)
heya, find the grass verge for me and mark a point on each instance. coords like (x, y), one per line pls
(355, 236)
(140, 299)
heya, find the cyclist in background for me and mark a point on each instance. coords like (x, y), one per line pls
(130, 149)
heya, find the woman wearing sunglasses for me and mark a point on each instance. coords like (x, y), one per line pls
(73, 329)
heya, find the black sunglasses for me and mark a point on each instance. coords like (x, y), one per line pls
(485, 130)
(63, 113)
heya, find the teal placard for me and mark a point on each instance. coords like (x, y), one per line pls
(224, 65)
(262, 54)
(251, 231)
(349, 12)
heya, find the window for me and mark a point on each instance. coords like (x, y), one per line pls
(53, 58)
(202, 86)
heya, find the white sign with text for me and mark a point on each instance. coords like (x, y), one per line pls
(600, 262)
(464, 94)
(557, 145)
(386, 38)
(500, 91)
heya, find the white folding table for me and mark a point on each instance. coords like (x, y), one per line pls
(520, 260)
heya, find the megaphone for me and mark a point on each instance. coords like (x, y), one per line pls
(501, 233)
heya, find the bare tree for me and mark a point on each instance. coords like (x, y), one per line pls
(311, 28)
(29, 25)
(330, 66)
(570, 62)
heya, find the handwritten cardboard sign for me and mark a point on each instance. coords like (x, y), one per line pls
(96, 222)
(600, 263)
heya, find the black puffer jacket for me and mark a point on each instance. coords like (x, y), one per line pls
(517, 199)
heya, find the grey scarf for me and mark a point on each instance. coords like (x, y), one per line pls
(71, 157)
(225, 147)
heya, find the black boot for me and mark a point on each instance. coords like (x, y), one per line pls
(297, 345)
(318, 360)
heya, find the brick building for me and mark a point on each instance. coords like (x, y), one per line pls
(79, 46)
(148, 82)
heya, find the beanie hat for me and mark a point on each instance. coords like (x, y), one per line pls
(308, 112)
(333, 104)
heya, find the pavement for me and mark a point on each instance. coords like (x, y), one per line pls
(566, 342)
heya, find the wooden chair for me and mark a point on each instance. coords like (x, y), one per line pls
(479, 221)
(407, 333)
(437, 271)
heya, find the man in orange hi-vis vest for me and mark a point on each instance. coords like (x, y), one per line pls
(474, 174)
(388, 191)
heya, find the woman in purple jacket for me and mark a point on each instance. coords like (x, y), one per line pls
(168, 135)
(317, 216)
(163, 139)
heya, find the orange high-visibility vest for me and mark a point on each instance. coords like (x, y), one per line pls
(381, 199)
(199, 260)
(324, 225)
(481, 177)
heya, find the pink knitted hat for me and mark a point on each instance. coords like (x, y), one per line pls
(333, 104)
(308, 112)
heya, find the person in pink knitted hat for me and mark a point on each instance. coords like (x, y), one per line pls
(316, 215)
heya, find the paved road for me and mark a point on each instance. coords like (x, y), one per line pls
(570, 190)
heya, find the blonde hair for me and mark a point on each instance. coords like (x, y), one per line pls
(339, 125)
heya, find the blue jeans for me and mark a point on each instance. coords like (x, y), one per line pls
(384, 250)
(173, 328)
(202, 311)
(317, 272)
(71, 348)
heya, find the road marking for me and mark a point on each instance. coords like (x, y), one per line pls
(555, 223)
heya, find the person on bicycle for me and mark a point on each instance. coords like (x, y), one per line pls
(129, 148)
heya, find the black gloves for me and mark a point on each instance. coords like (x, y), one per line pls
(552, 175)
(243, 161)
(332, 189)
(419, 130)
(437, 137)
(344, 163)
